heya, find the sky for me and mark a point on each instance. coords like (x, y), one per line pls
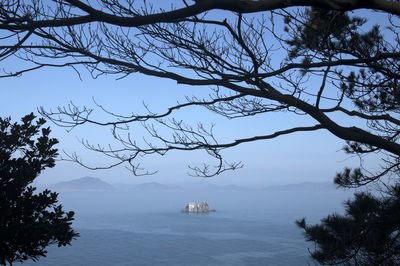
(300, 157)
(295, 158)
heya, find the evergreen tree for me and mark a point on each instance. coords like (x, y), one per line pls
(326, 63)
(29, 221)
(368, 234)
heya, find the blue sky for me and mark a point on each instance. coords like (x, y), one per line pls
(300, 157)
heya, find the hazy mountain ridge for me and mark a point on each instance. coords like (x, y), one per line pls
(305, 186)
(147, 186)
(86, 183)
(96, 184)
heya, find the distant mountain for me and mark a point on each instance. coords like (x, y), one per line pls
(147, 186)
(305, 186)
(155, 185)
(83, 184)
(206, 185)
(225, 187)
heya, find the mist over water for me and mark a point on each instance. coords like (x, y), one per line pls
(143, 225)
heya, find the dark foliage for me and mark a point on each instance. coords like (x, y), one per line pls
(325, 63)
(29, 221)
(368, 234)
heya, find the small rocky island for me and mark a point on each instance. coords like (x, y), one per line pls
(192, 207)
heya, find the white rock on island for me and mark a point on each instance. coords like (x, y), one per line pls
(193, 207)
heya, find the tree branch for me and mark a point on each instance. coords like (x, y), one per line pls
(239, 6)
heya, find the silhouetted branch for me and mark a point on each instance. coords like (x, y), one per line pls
(185, 138)
(18, 20)
(253, 63)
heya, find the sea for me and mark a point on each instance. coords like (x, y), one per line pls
(147, 227)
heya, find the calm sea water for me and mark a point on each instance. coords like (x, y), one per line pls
(261, 231)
